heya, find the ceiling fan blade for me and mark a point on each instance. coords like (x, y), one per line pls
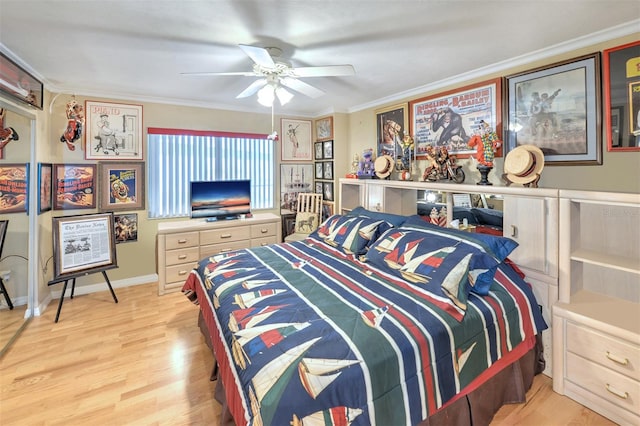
(243, 73)
(324, 71)
(302, 87)
(259, 55)
(253, 88)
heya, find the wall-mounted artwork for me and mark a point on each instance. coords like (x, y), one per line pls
(125, 227)
(113, 131)
(19, 84)
(14, 184)
(45, 185)
(294, 178)
(121, 185)
(296, 140)
(74, 186)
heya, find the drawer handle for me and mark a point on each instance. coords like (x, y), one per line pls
(617, 360)
(225, 250)
(182, 256)
(182, 241)
(619, 394)
(264, 231)
(183, 272)
(225, 236)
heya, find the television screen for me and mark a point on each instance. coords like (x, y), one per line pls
(220, 199)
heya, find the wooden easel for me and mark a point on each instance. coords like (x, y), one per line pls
(66, 279)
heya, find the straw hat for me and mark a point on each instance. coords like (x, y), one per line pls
(383, 166)
(524, 165)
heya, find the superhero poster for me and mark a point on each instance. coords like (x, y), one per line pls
(121, 186)
(74, 186)
(14, 179)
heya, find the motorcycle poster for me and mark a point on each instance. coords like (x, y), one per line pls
(114, 131)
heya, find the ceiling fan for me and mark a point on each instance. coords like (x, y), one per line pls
(277, 75)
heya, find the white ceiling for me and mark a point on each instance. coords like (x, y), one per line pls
(137, 49)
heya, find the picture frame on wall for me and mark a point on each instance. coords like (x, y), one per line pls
(121, 186)
(327, 150)
(324, 128)
(125, 227)
(83, 244)
(45, 187)
(319, 166)
(296, 140)
(557, 108)
(318, 150)
(327, 191)
(449, 119)
(327, 170)
(318, 189)
(294, 178)
(328, 209)
(622, 97)
(113, 131)
(74, 186)
(14, 188)
(391, 126)
(19, 84)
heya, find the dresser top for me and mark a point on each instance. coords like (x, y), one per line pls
(203, 225)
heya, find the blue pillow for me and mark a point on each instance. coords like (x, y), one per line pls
(488, 216)
(437, 263)
(393, 219)
(351, 234)
(497, 247)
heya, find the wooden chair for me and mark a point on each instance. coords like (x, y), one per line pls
(308, 214)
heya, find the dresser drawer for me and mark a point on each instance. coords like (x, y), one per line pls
(183, 239)
(605, 350)
(215, 236)
(264, 230)
(178, 272)
(615, 388)
(213, 249)
(265, 241)
(175, 257)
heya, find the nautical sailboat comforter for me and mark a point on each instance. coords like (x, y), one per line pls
(383, 331)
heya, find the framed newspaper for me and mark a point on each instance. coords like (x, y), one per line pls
(83, 244)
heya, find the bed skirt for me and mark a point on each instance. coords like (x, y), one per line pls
(508, 386)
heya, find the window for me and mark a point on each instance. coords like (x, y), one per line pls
(177, 157)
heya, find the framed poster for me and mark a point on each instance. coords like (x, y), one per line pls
(83, 244)
(327, 149)
(121, 185)
(296, 140)
(318, 189)
(318, 150)
(319, 170)
(327, 191)
(557, 109)
(125, 227)
(324, 128)
(621, 79)
(19, 84)
(14, 188)
(450, 119)
(294, 178)
(45, 186)
(113, 131)
(74, 186)
(391, 126)
(327, 172)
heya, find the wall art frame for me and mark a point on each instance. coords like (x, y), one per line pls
(558, 109)
(296, 140)
(14, 188)
(463, 108)
(327, 148)
(294, 178)
(392, 123)
(324, 128)
(74, 186)
(327, 170)
(327, 191)
(121, 185)
(45, 187)
(16, 82)
(621, 81)
(113, 131)
(83, 244)
(125, 227)
(318, 149)
(319, 169)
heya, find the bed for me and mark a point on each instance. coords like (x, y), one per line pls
(373, 319)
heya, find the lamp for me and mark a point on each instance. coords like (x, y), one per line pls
(267, 95)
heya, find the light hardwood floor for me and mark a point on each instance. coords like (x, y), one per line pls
(143, 362)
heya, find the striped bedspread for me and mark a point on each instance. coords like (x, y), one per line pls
(315, 336)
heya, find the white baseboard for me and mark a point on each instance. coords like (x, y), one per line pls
(95, 288)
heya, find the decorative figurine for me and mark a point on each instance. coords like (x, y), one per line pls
(442, 166)
(75, 117)
(486, 143)
(366, 168)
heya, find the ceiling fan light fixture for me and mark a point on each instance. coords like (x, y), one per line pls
(266, 95)
(284, 96)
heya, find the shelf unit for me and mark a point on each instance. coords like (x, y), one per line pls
(596, 322)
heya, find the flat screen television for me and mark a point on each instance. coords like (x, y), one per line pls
(220, 199)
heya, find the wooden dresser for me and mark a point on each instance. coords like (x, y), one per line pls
(181, 244)
(596, 323)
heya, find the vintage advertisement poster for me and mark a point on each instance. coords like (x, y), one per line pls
(450, 120)
(121, 186)
(85, 243)
(13, 188)
(114, 131)
(74, 186)
(125, 227)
